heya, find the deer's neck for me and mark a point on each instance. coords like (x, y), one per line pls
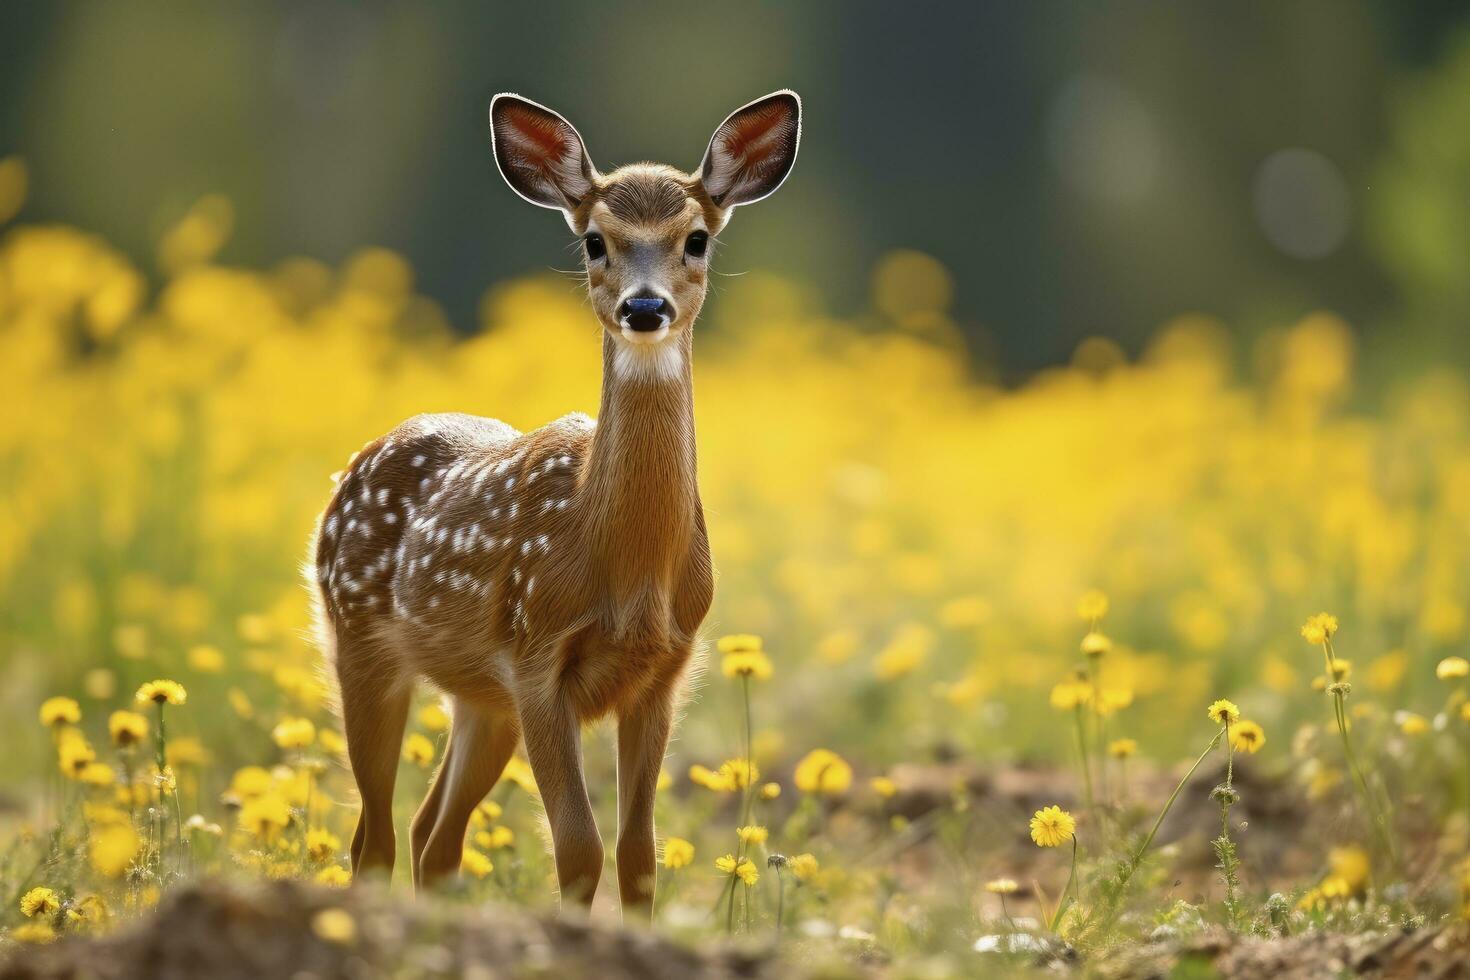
(640, 490)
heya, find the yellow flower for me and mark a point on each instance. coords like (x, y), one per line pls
(1122, 748)
(334, 876)
(74, 753)
(162, 692)
(1052, 826)
(804, 867)
(34, 933)
(1351, 866)
(739, 773)
(1095, 644)
(495, 838)
(433, 717)
(251, 781)
(98, 774)
(206, 659)
(769, 791)
(1247, 736)
(60, 711)
(738, 643)
(294, 733)
(111, 849)
(1002, 886)
(1412, 724)
(127, 728)
(264, 815)
(335, 926)
(752, 834)
(747, 663)
(1452, 668)
(1069, 695)
(418, 750)
(1223, 712)
(322, 845)
(39, 901)
(1319, 629)
(678, 853)
(742, 869)
(1092, 606)
(884, 786)
(823, 772)
(904, 653)
(476, 863)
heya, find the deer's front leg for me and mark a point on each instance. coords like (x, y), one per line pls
(643, 737)
(553, 739)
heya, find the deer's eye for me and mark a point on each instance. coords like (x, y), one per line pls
(595, 246)
(697, 244)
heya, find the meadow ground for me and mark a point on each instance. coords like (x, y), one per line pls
(1031, 671)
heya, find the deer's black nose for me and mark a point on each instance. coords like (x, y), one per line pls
(644, 313)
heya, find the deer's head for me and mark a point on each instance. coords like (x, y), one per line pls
(646, 228)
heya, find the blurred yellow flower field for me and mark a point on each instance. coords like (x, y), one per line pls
(1089, 574)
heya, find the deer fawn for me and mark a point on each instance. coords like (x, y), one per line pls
(546, 579)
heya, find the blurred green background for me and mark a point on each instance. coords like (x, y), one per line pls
(1084, 168)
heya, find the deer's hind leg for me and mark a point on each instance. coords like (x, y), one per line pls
(374, 715)
(481, 739)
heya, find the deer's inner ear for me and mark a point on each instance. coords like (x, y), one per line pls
(540, 154)
(753, 150)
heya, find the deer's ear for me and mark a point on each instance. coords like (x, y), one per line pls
(753, 150)
(540, 154)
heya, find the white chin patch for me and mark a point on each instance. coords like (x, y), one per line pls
(648, 356)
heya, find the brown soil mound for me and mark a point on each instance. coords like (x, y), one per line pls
(288, 930)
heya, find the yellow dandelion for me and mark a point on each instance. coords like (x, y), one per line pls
(1052, 826)
(739, 773)
(334, 876)
(769, 791)
(162, 692)
(743, 869)
(1223, 712)
(747, 663)
(1350, 865)
(1070, 695)
(418, 750)
(804, 867)
(1095, 644)
(39, 901)
(111, 849)
(739, 643)
(1092, 606)
(496, 838)
(678, 853)
(205, 659)
(1412, 724)
(884, 787)
(1452, 668)
(823, 772)
(74, 753)
(294, 733)
(322, 845)
(1319, 629)
(1002, 886)
(433, 717)
(251, 781)
(335, 926)
(97, 774)
(266, 815)
(1123, 748)
(127, 728)
(475, 863)
(752, 834)
(1247, 736)
(34, 933)
(60, 711)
